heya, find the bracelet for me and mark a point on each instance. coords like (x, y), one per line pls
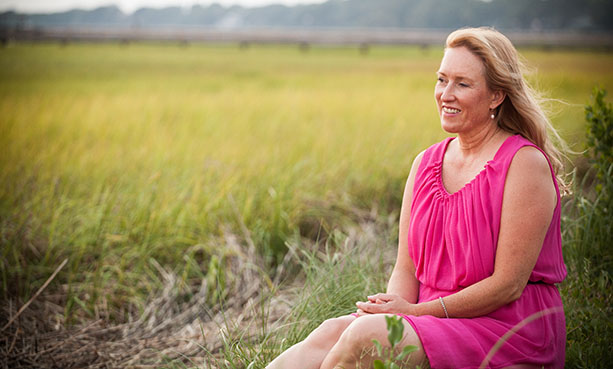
(444, 308)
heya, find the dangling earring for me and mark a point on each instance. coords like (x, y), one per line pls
(492, 115)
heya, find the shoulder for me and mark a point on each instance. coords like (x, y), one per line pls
(408, 189)
(529, 160)
(414, 168)
(418, 160)
(434, 152)
(529, 177)
(427, 157)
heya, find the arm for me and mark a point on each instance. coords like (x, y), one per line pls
(527, 209)
(403, 282)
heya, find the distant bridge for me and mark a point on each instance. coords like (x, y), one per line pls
(305, 37)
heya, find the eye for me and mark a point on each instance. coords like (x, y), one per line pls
(440, 80)
(462, 84)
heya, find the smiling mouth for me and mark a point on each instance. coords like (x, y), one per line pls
(450, 110)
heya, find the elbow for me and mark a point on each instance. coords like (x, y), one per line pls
(514, 297)
(507, 289)
(514, 292)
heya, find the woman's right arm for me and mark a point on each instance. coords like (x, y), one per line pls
(403, 281)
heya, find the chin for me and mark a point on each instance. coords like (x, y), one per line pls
(449, 127)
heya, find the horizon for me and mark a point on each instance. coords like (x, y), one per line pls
(129, 6)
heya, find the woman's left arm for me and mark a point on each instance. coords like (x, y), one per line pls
(527, 210)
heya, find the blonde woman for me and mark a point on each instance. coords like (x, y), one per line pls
(479, 251)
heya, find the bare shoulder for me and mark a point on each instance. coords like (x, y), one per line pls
(417, 160)
(529, 162)
(529, 177)
(413, 172)
(414, 167)
(408, 188)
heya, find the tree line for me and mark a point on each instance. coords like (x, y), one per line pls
(529, 15)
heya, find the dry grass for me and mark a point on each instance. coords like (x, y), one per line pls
(169, 328)
(172, 178)
(177, 327)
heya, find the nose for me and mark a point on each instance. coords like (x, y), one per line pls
(447, 93)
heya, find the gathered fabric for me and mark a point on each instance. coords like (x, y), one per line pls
(452, 241)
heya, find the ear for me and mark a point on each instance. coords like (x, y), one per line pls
(497, 99)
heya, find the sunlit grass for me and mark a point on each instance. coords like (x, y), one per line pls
(115, 155)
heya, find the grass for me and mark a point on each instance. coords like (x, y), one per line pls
(114, 156)
(121, 158)
(333, 275)
(331, 285)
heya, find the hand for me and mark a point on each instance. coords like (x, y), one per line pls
(382, 303)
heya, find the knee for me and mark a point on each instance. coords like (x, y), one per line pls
(337, 325)
(329, 331)
(357, 337)
(356, 341)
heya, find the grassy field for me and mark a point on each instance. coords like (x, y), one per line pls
(121, 158)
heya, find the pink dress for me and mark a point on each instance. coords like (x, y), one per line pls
(452, 241)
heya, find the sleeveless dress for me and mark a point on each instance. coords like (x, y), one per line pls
(452, 241)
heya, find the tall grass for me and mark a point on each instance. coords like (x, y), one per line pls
(331, 277)
(587, 291)
(118, 156)
(114, 156)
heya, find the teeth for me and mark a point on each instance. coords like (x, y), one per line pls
(451, 110)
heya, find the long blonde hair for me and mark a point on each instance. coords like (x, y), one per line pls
(521, 112)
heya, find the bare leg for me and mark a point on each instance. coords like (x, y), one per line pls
(354, 348)
(309, 353)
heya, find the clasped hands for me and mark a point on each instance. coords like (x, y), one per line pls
(384, 303)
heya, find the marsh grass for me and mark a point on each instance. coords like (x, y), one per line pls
(115, 156)
(328, 286)
(132, 160)
(331, 277)
(589, 246)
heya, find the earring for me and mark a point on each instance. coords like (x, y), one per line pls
(492, 116)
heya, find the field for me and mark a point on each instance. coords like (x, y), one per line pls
(128, 160)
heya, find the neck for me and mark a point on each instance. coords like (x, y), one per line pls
(476, 141)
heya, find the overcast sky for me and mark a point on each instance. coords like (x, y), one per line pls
(43, 6)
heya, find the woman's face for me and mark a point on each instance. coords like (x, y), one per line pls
(462, 96)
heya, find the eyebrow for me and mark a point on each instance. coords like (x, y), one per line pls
(459, 78)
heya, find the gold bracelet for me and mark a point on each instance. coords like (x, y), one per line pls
(444, 308)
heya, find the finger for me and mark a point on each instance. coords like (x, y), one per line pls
(375, 309)
(374, 298)
(371, 308)
(382, 297)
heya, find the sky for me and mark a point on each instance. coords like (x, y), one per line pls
(128, 6)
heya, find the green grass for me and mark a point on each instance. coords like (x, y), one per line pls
(114, 155)
(334, 275)
(334, 278)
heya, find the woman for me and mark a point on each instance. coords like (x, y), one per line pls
(479, 245)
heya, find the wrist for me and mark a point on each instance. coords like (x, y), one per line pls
(411, 309)
(440, 299)
(426, 308)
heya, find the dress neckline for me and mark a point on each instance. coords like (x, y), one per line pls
(439, 166)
